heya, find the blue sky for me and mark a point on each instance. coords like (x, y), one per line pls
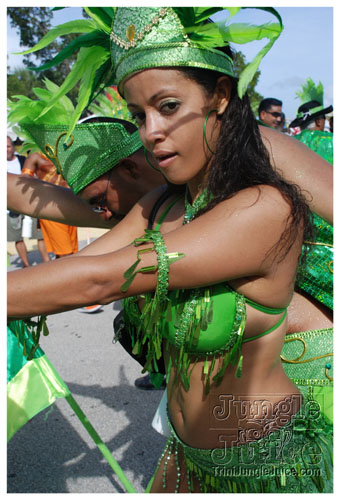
(304, 49)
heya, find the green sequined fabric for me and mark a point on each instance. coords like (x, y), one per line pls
(189, 312)
(158, 39)
(319, 141)
(295, 458)
(315, 273)
(92, 150)
(307, 358)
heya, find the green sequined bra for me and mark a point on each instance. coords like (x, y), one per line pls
(202, 324)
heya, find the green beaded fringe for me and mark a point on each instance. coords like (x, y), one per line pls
(193, 313)
(311, 448)
(156, 303)
(34, 329)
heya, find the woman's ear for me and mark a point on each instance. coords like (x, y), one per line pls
(222, 94)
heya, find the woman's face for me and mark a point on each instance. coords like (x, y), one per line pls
(170, 110)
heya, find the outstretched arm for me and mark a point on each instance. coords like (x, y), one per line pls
(302, 166)
(34, 197)
(216, 248)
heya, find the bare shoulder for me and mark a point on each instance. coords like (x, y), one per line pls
(255, 217)
(279, 145)
(263, 200)
(272, 135)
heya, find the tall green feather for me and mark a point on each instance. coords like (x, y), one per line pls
(311, 92)
(93, 68)
(214, 35)
(79, 26)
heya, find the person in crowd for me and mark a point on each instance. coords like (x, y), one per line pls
(177, 285)
(270, 112)
(330, 118)
(61, 239)
(310, 120)
(15, 221)
(282, 126)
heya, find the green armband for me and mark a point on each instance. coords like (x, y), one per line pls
(164, 259)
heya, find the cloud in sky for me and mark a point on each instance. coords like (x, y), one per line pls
(293, 82)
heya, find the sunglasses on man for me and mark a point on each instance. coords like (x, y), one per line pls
(276, 114)
(99, 208)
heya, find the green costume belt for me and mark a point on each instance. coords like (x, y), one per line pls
(296, 458)
(307, 359)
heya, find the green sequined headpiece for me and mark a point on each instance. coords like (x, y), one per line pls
(90, 151)
(155, 37)
(116, 42)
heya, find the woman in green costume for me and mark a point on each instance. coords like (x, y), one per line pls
(231, 232)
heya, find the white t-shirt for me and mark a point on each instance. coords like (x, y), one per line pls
(13, 166)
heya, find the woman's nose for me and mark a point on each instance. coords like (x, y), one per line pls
(154, 131)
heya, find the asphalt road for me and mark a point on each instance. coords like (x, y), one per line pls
(53, 453)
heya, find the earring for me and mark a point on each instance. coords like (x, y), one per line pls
(204, 130)
(147, 160)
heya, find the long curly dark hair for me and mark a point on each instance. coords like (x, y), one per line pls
(242, 160)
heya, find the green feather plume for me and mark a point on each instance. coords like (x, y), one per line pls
(311, 92)
(93, 70)
(215, 35)
(23, 110)
(110, 103)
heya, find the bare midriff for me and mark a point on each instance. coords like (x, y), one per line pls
(238, 409)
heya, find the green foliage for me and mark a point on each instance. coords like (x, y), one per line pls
(32, 24)
(22, 81)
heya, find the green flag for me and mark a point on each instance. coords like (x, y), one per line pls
(32, 385)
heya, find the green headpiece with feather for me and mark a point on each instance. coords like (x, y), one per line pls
(91, 150)
(312, 107)
(118, 41)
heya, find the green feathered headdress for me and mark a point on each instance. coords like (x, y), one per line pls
(311, 98)
(310, 92)
(90, 151)
(110, 103)
(118, 41)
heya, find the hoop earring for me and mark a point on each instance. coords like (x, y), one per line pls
(147, 160)
(204, 130)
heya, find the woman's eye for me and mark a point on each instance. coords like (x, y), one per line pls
(170, 106)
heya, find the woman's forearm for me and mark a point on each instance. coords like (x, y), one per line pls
(71, 282)
(54, 287)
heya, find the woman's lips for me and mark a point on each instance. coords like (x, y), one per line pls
(166, 160)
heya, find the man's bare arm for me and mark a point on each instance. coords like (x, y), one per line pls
(34, 197)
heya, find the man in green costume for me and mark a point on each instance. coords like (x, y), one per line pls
(311, 117)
